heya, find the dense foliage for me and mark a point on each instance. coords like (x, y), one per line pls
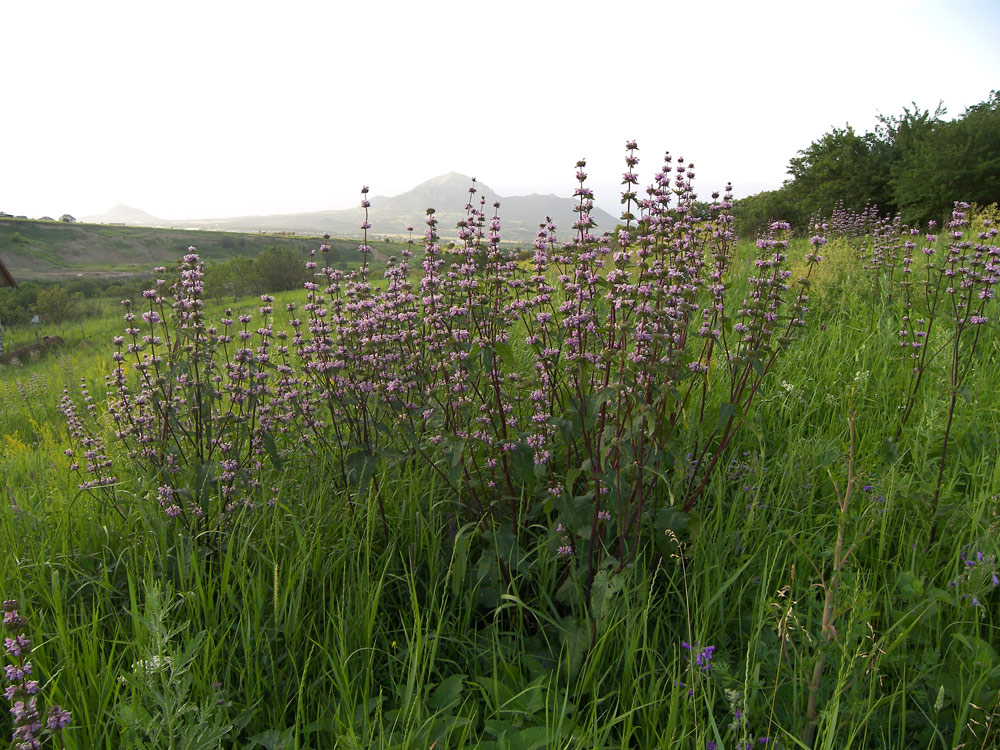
(915, 164)
(603, 497)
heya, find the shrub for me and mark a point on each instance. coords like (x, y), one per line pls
(583, 390)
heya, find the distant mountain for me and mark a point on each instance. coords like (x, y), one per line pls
(390, 216)
(122, 214)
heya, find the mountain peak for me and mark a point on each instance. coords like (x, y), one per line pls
(448, 178)
(450, 183)
(446, 192)
(122, 214)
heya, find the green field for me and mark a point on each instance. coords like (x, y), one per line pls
(49, 250)
(833, 584)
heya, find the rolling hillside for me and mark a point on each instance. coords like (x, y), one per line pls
(53, 250)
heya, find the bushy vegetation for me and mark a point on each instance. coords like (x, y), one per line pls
(659, 489)
(915, 164)
(89, 255)
(274, 269)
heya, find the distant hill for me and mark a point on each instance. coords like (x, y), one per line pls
(390, 216)
(122, 214)
(53, 250)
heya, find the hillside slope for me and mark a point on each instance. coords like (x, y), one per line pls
(53, 250)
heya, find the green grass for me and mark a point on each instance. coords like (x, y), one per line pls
(37, 250)
(318, 627)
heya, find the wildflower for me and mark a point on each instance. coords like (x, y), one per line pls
(21, 693)
(703, 655)
(58, 718)
(18, 645)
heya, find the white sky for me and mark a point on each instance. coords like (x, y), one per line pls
(212, 109)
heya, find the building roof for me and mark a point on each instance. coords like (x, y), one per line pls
(5, 278)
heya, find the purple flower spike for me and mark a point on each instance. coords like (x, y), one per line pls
(58, 718)
(21, 692)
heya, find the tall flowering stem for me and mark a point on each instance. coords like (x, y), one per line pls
(97, 473)
(768, 321)
(941, 299)
(968, 275)
(193, 403)
(21, 689)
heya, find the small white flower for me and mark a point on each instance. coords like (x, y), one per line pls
(149, 666)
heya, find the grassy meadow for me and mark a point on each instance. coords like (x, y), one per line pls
(832, 583)
(52, 250)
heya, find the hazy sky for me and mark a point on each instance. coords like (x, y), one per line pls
(212, 109)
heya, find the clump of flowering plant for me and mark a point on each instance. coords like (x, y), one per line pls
(194, 403)
(31, 726)
(566, 389)
(939, 284)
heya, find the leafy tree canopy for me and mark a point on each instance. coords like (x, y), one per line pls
(916, 164)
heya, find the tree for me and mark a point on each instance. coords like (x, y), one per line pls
(755, 212)
(279, 269)
(841, 166)
(915, 163)
(233, 278)
(949, 161)
(54, 304)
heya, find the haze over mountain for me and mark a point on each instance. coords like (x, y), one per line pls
(390, 216)
(122, 214)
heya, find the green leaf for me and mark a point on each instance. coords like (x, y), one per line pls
(457, 449)
(726, 411)
(361, 467)
(506, 353)
(890, 450)
(602, 594)
(910, 585)
(272, 451)
(570, 593)
(594, 403)
(577, 514)
(493, 687)
(529, 701)
(498, 728)
(459, 562)
(274, 740)
(965, 392)
(576, 642)
(522, 460)
(447, 693)
(981, 653)
(571, 475)
(487, 354)
(530, 738)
